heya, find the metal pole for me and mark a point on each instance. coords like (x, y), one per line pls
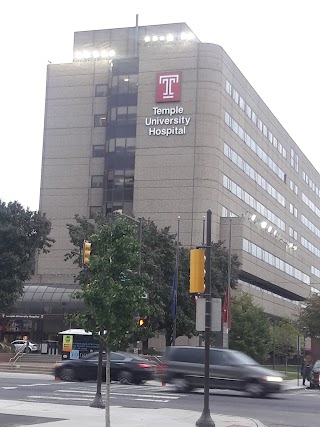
(175, 295)
(229, 284)
(140, 246)
(97, 401)
(203, 229)
(205, 420)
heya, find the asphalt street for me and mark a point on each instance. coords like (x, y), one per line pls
(290, 409)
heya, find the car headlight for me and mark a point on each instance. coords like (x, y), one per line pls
(273, 379)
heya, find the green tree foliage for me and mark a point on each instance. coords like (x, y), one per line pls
(158, 262)
(250, 331)
(219, 269)
(309, 317)
(285, 339)
(23, 233)
(113, 290)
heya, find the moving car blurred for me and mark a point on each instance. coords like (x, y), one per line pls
(315, 374)
(28, 346)
(126, 368)
(229, 369)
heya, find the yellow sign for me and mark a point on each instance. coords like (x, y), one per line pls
(67, 342)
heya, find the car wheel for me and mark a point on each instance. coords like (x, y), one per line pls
(68, 374)
(180, 385)
(125, 377)
(255, 389)
(27, 350)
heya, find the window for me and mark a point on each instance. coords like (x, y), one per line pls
(94, 211)
(101, 90)
(97, 181)
(100, 120)
(98, 150)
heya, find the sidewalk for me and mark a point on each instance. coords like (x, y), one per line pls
(83, 416)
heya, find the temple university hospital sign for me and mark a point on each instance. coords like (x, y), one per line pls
(168, 121)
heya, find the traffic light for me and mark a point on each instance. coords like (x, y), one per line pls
(197, 271)
(141, 322)
(86, 252)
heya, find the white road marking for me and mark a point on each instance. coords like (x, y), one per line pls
(9, 388)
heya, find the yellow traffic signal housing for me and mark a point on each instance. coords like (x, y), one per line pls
(86, 252)
(197, 271)
(141, 321)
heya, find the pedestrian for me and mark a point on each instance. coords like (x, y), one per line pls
(306, 371)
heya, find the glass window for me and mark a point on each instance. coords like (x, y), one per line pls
(100, 120)
(97, 181)
(101, 90)
(94, 211)
(98, 150)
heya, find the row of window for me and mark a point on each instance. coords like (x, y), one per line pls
(252, 202)
(293, 233)
(310, 204)
(293, 187)
(226, 213)
(250, 285)
(315, 271)
(254, 146)
(308, 245)
(311, 184)
(255, 119)
(254, 175)
(276, 262)
(310, 225)
(294, 160)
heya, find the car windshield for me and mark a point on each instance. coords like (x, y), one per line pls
(317, 364)
(242, 359)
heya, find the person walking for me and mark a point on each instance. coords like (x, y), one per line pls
(306, 371)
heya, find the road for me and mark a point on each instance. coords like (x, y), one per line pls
(298, 408)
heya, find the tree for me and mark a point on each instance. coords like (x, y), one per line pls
(250, 331)
(285, 338)
(219, 269)
(113, 291)
(23, 233)
(309, 317)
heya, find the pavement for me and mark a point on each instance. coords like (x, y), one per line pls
(53, 415)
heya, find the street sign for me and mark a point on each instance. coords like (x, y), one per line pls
(215, 314)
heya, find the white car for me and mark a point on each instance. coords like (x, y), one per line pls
(18, 344)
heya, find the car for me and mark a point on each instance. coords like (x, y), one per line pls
(315, 375)
(125, 367)
(27, 345)
(183, 367)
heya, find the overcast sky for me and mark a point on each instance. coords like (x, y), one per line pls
(274, 43)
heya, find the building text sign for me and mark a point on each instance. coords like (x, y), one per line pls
(168, 87)
(167, 121)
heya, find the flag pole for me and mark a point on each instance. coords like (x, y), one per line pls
(229, 281)
(175, 291)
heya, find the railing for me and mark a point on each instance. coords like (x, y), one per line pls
(18, 355)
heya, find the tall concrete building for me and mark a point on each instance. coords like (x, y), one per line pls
(152, 121)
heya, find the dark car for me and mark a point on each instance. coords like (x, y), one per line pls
(229, 369)
(127, 368)
(314, 375)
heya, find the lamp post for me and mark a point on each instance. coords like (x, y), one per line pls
(175, 289)
(205, 420)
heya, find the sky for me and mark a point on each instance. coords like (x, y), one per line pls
(274, 43)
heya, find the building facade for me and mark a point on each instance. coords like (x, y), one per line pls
(151, 121)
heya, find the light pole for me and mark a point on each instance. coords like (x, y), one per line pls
(175, 289)
(205, 420)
